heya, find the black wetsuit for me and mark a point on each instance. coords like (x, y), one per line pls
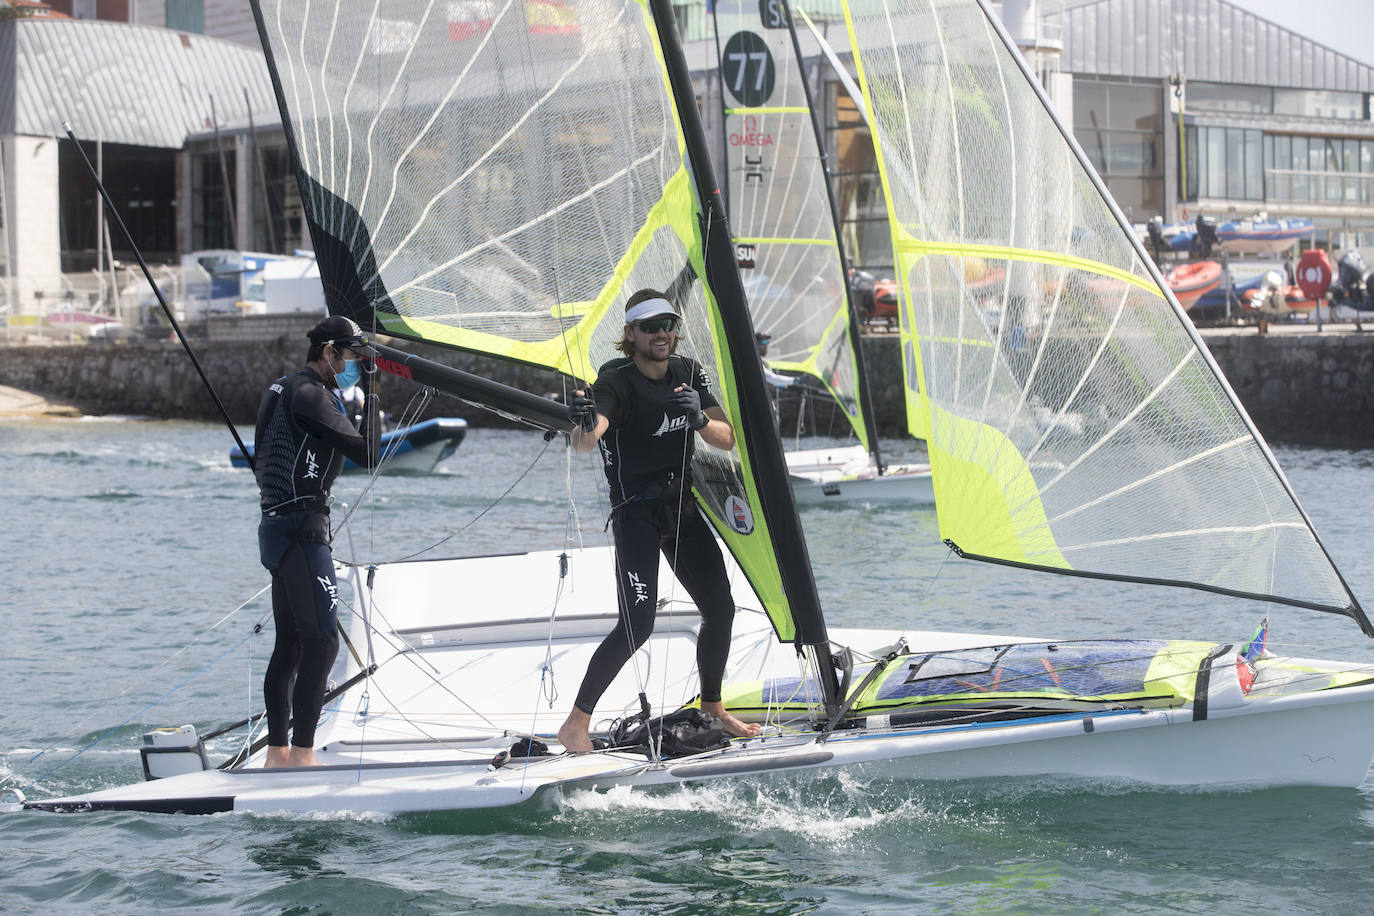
(647, 453)
(302, 438)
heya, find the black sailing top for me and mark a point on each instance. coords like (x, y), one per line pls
(302, 438)
(648, 446)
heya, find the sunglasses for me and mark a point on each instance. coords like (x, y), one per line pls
(654, 325)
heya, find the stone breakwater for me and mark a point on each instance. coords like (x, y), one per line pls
(1301, 387)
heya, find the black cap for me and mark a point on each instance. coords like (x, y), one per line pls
(342, 332)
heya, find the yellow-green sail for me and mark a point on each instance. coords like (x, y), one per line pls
(1074, 419)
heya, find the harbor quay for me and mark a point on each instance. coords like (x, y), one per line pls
(1301, 385)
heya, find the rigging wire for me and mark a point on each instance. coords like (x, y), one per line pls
(132, 684)
(173, 689)
(492, 505)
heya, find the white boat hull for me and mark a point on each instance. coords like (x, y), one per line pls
(1305, 744)
(443, 659)
(848, 474)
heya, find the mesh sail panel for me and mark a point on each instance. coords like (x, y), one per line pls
(500, 177)
(1073, 420)
(779, 207)
(486, 166)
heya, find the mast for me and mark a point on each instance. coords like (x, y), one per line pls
(724, 134)
(855, 344)
(756, 415)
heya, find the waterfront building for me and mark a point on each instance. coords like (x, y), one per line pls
(133, 95)
(1184, 106)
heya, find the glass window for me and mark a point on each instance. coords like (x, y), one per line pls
(1302, 189)
(1299, 160)
(1125, 153)
(1235, 162)
(186, 15)
(1325, 152)
(1138, 197)
(1318, 103)
(1254, 166)
(210, 208)
(1089, 104)
(1190, 159)
(1279, 157)
(1215, 183)
(858, 190)
(1229, 97)
(1138, 107)
(1366, 179)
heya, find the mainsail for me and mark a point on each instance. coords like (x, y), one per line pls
(1075, 421)
(499, 177)
(780, 208)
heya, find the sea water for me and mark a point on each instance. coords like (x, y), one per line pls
(133, 593)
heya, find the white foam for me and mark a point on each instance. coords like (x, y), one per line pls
(791, 806)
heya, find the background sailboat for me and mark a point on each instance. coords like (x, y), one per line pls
(782, 217)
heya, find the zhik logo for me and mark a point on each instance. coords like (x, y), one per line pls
(671, 426)
(331, 589)
(640, 589)
(312, 466)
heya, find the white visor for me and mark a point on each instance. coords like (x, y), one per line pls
(650, 308)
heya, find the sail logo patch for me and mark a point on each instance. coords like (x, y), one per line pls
(747, 69)
(393, 367)
(676, 424)
(738, 516)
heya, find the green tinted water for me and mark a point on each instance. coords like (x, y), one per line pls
(126, 542)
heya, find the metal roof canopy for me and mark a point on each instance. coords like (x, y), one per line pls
(121, 83)
(1209, 40)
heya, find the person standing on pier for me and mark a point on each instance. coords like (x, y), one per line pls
(303, 436)
(645, 412)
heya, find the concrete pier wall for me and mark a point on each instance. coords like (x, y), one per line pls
(1300, 388)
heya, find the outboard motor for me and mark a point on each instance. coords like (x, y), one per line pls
(1155, 229)
(861, 291)
(1351, 285)
(1206, 236)
(1268, 299)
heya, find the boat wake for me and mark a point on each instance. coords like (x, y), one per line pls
(836, 809)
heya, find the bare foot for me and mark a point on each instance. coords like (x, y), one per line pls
(574, 735)
(277, 757)
(728, 722)
(303, 757)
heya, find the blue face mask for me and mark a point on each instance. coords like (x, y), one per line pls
(350, 375)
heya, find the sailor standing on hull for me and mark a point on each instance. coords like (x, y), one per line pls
(303, 435)
(644, 412)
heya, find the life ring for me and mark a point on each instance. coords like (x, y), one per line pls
(1314, 273)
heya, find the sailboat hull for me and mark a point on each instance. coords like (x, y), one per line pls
(847, 474)
(416, 449)
(1305, 722)
(1322, 741)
